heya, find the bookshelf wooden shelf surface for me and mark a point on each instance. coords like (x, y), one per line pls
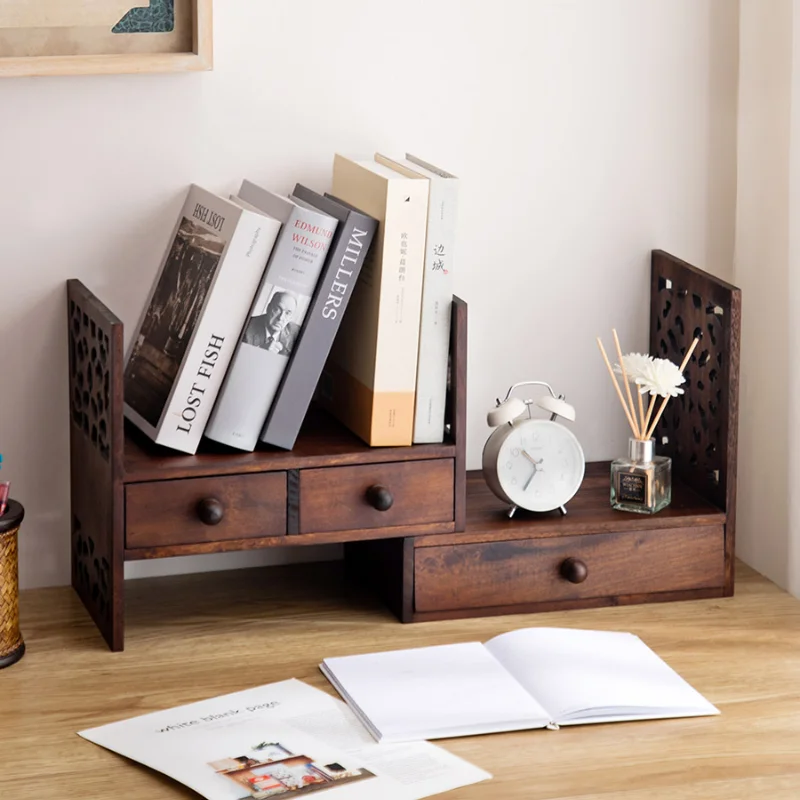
(432, 541)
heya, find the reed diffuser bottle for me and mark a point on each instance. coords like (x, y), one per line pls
(642, 482)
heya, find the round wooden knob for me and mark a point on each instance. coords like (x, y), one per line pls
(210, 510)
(380, 498)
(574, 570)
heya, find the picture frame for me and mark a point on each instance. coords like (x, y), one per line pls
(79, 37)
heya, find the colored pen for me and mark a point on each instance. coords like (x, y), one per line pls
(4, 487)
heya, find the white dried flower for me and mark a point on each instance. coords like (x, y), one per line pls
(662, 378)
(637, 365)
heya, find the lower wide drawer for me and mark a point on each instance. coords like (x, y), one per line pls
(505, 573)
(205, 510)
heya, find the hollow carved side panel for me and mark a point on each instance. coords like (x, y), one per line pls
(91, 572)
(96, 457)
(90, 378)
(698, 428)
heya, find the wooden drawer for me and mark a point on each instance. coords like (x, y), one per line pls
(352, 498)
(523, 571)
(173, 512)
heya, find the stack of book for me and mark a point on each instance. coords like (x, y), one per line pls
(264, 302)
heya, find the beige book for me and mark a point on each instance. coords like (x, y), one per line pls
(370, 379)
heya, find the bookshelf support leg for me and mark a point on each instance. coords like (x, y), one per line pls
(96, 452)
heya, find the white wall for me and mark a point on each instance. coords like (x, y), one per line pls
(767, 267)
(586, 132)
(762, 272)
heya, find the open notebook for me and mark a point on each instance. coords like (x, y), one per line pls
(529, 678)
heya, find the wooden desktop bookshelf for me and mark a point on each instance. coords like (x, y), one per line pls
(595, 556)
(131, 499)
(433, 542)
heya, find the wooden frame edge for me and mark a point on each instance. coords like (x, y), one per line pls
(200, 59)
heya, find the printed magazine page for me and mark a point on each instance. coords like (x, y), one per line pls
(281, 739)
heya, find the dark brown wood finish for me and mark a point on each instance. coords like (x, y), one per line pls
(567, 605)
(434, 541)
(386, 566)
(457, 406)
(323, 442)
(200, 510)
(222, 500)
(326, 537)
(96, 446)
(589, 512)
(513, 573)
(675, 555)
(699, 429)
(376, 496)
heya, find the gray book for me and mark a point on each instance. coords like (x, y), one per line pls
(276, 317)
(354, 235)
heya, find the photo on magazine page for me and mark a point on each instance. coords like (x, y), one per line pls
(269, 769)
(275, 323)
(171, 318)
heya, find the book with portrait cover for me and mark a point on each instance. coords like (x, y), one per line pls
(193, 316)
(370, 377)
(437, 296)
(275, 320)
(350, 246)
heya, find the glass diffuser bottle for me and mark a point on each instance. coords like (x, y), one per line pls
(642, 482)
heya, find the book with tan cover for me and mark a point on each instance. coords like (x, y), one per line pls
(370, 378)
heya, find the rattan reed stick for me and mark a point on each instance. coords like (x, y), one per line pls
(666, 399)
(616, 386)
(625, 380)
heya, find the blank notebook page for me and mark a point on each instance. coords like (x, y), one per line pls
(573, 671)
(429, 691)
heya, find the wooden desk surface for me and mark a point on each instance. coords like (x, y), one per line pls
(197, 636)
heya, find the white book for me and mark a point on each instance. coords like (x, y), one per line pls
(529, 678)
(370, 378)
(193, 316)
(276, 317)
(437, 296)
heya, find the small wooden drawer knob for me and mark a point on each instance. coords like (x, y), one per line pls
(380, 498)
(574, 570)
(210, 511)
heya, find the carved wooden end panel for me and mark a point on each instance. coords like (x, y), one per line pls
(699, 428)
(96, 435)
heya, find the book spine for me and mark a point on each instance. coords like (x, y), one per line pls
(402, 267)
(353, 239)
(270, 334)
(437, 298)
(215, 339)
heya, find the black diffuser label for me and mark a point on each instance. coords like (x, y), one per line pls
(632, 488)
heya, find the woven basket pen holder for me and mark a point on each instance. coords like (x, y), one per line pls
(12, 647)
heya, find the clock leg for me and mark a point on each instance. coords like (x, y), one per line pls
(563, 511)
(510, 512)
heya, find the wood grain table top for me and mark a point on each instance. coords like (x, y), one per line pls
(197, 636)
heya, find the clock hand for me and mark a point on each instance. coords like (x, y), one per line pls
(531, 458)
(528, 482)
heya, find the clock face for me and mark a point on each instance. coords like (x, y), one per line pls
(540, 465)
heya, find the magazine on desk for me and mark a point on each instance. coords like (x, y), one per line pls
(278, 740)
(529, 678)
